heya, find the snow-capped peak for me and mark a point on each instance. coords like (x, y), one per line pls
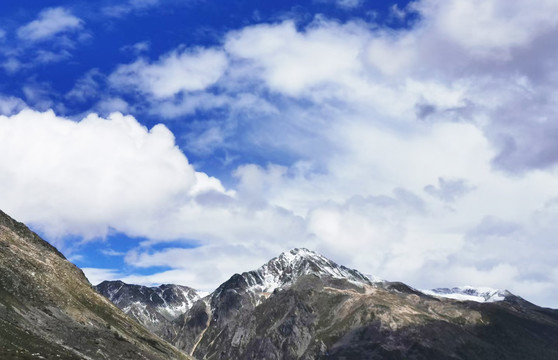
(470, 293)
(147, 303)
(290, 265)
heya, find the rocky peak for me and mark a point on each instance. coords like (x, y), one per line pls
(295, 263)
(168, 300)
(281, 272)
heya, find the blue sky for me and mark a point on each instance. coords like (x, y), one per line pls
(182, 141)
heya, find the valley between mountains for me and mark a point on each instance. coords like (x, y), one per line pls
(299, 305)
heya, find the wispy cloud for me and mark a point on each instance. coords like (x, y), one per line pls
(128, 7)
(49, 23)
(137, 48)
(176, 72)
(87, 86)
(111, 252)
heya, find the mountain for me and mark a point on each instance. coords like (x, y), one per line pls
(301, 305)
(229, 310)
(153, 307)
(49, 310)
(286, 269)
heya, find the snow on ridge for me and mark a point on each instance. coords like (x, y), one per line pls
(374, 278)
(167, 300)
(289, 265)
(469, 293)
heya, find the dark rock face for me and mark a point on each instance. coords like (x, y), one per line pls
(153, 307)
(48, 308)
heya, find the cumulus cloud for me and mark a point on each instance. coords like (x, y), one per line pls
(291, 62)
(90, 176)
(173, 73)
(49, 23)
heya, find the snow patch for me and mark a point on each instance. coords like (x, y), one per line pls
(469, 293)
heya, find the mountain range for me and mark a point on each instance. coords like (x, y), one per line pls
(299, 305)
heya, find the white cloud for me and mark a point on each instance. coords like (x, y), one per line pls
(489, 28)
(173, 73)
(111, 252)
(45, 56)
(113, 104)
(10, 105)
(87, 86)
(12, 65)
(86, 177)
(137, 48)
(291, 62)
(349, 4)
(49, 23)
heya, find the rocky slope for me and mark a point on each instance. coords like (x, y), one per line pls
(153, 307)
(303, 306)
(49, 310)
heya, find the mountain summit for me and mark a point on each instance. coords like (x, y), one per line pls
(290, 266)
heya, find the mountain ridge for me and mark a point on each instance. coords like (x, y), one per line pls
(153, 307)
(49, 309)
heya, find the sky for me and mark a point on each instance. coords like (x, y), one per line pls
(183, 141)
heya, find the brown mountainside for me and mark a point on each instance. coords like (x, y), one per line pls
(49, 310)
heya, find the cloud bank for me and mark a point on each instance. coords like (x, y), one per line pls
(425, 153)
